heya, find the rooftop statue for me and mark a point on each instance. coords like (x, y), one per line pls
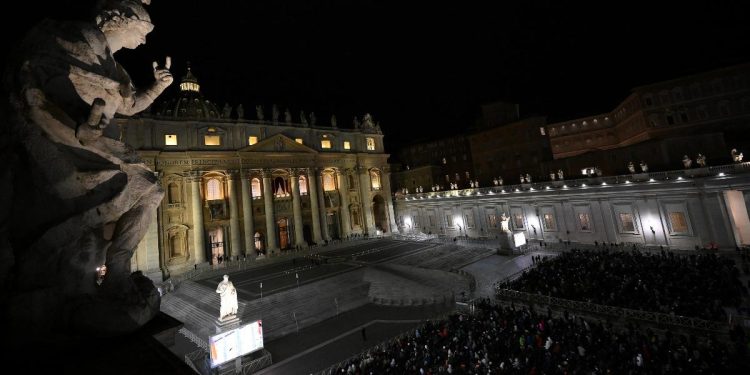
(81, 201)
(259, 112)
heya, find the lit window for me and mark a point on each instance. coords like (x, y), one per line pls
(370, 144)
(549, 222)
(541, 130)
(347, 145)
(583, 221)
(213, 189)
(626, 220)
(375, 179)
(302, 185)
(251, 140)
(678, 222)
(170, 139)
(328, 182)
(298, 140)
(325, 143)
(255, 188)
(212, 140)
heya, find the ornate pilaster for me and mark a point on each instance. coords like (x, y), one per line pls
(312, 178)
(299, 240)
(199, 244)
(322, 205)
(364, 187)
(385, 177)
(346, 221)
(235, 244)
(271, 245)
(247, 213)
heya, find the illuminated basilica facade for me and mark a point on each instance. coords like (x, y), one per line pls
(236, 187)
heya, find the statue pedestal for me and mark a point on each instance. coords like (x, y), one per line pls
(506, 241)
(640, 177)
(227, 324)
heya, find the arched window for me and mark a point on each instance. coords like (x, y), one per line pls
(256, 191)
(328, 182)
(279, 187)
(375, 180)
(370, 144)
(213, 189)
(303, 185)
(352, 183)
(173, 192)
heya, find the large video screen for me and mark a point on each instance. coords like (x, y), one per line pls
(229, 345)
(519, 239)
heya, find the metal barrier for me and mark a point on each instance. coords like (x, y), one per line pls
(588, 307)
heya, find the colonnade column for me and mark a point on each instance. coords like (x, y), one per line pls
(271, 245)
(385, 178)
(346, 221)
(247, 213)
(299, 239)
(364, 187)
(322, 208)
(235, 244)
(198, 231)
(312, 178)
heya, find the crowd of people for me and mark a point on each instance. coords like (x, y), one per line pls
(509, 340)
(696, 285)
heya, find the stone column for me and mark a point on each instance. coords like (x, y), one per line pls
(299, 239)
(271, 245)
(322, 206)
(364, 187)
(346, 222)
(385, 178)
(247, 214)
(199, 244)
(235, 244)
(312, 179)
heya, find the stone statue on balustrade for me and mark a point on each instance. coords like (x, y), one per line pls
(528, 178)
(736, 157)
(701, 160)
(522, 178)
(552, 176)
(240, 112)
(504, 220)
(631, 167)
(313, 119)
(687, 162)
(274, 113)
(560, 174)
(333, 122)
(81, 200)
(644, 167)
(259, 112)
(287, 116)
(226, 111)
(500, 181)
(228, 298)
(303, 118)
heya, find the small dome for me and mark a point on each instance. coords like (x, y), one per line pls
(189, 103)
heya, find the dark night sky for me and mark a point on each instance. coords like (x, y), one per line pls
(424, 69)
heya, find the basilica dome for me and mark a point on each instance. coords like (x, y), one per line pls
(188, 103)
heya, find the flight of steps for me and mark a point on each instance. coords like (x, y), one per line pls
(198, 306)
(399, 285)
(445, 257)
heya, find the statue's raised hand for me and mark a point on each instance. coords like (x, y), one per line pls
(163, 76)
